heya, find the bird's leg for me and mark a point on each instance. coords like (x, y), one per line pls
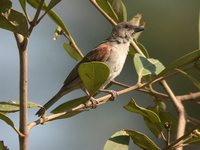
(112, 92)
(91, 99)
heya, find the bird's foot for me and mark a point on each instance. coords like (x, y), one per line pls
(91, 103)
(112, 92)
(94, 102)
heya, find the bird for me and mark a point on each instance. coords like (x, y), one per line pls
(112, 51)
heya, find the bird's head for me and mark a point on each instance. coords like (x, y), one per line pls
(126, 30)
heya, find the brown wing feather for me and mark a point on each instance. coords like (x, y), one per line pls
(101, 53)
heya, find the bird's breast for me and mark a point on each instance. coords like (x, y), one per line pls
(117, 59)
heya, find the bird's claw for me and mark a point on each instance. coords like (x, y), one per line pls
(91, 103)
(94, 103)
(114, 95)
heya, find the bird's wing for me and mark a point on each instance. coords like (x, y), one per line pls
(100, 53)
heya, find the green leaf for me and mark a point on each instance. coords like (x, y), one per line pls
(93, 75)
(70, 104)
(146, 66)
(180, 62)
(120, 9)
(52, 4)
(103, 4)
(15, 22)
(5, 6)
(194, 81)
(195, 139)
(13, 106)
(52, 14)
(118, 141)
(141, 140)
(165, 116)
(132, 50)
(23, 4)
(72, 51)
(2, 146)
(151, 119)
(8, 121)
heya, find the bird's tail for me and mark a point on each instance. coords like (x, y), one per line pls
(53, 100)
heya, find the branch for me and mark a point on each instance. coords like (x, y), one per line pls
(80, 107)
(181, 112)
(103, 12)
(22, 43)
(34, 22)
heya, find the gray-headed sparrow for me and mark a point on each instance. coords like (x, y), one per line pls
(112, 51)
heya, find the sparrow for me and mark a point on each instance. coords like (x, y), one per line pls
(112, 51)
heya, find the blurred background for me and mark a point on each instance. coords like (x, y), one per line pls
(171, 31)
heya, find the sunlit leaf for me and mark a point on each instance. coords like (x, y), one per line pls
(93, 75)
(118, 141)
(15, 22)
(120, 9)
(13, 106)
(151, 119)
(147, 66)
(72, 51)
(194, 81)
(5, 5)
(141, 140)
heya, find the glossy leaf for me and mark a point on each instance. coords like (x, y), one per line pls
(146, 66)
(118, 141)
(151, 119)
(5, 5)
(180, 62)
(8, 121)
(72, 52)
(2, 146)
(141, 140)
(103, 4)
(15, 22)
(13, 106)
(93, 75)
(194, 81)
(120, 9)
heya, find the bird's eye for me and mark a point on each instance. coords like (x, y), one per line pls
(127, 26)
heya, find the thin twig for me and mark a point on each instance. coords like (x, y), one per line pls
(103, 12)
(33, 23)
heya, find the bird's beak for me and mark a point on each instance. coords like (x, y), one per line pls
(138, 29)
